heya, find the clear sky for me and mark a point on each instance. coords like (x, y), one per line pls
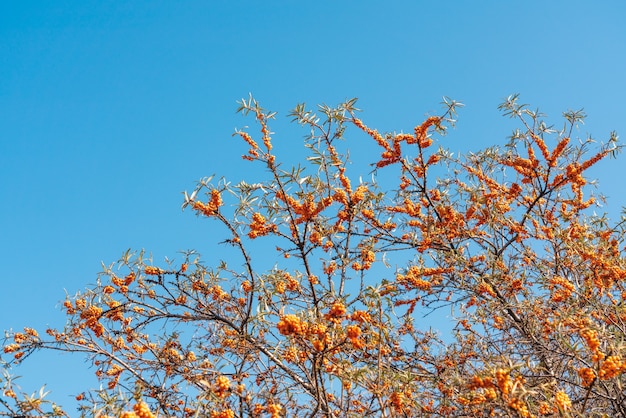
(109, 110)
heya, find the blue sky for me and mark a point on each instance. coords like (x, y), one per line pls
(109, 110)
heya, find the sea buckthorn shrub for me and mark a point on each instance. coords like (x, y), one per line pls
(502, 248)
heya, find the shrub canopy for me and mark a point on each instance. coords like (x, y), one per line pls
(363, 262)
